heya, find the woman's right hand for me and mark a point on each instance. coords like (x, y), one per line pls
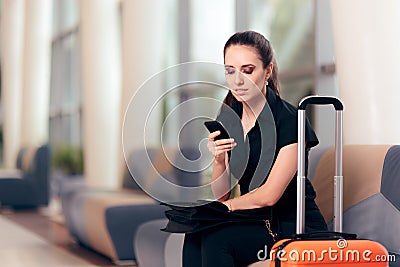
(219, 148)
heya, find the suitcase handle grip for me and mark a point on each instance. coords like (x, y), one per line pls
(320, 235)
(321, 100)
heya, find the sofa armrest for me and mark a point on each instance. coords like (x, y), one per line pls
(16, 193)
(12, 173)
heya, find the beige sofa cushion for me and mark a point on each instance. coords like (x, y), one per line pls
(95, 207)
(362, 174)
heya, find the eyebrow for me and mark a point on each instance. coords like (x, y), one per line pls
(243, 66)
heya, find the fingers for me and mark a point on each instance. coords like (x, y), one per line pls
(211, 138)
(225, 146)
(212, 135)
(217, 150)
(219, 147)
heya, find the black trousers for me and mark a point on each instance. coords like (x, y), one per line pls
(230, 245)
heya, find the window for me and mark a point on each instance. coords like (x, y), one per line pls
(65, 90)
(288, 24)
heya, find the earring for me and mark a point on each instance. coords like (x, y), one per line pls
(266, 83)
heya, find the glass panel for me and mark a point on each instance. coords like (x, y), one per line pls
(65, 84)
(204, 44)
(288, 24)
(65, 15)
(171, 37)
(211, 24)
(192, 103)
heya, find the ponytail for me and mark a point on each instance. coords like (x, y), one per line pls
(273, 81)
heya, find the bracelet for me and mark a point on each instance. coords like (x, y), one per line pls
(230, 205)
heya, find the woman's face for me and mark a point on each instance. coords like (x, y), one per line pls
(244, 72)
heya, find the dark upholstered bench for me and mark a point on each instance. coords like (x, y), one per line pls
(28, 187)
(107, 220)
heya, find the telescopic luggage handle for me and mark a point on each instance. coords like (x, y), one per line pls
(338, 178)
(320, 100)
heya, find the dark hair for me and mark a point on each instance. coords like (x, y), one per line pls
(264, 50)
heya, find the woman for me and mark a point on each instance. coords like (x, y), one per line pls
(252, 76)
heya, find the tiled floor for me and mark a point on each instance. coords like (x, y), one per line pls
(33, 239)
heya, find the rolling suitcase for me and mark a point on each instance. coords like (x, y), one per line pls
(324, 248)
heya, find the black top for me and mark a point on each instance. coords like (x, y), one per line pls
(284, 116)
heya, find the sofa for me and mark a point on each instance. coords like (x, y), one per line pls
(371, 199)
(106, 221)
(371, 203)
(28, 186)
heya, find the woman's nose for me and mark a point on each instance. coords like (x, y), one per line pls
(238, 77)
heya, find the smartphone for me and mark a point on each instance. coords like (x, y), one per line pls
(213, 126)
